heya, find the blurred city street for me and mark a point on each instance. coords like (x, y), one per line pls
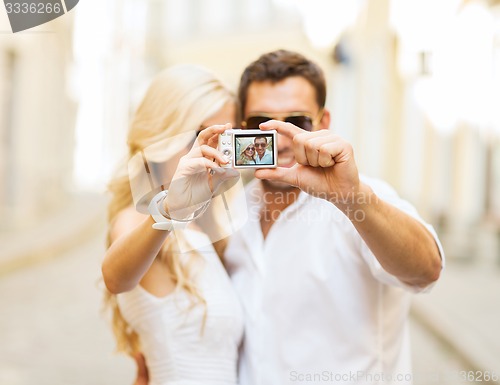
(455, 328)
(412, 85)
(51, 328)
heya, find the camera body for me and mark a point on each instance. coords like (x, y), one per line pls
(249, 148)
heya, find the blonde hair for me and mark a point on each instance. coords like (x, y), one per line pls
(178, 100)
(244, 158)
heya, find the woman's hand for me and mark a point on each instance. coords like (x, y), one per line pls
(199, 175)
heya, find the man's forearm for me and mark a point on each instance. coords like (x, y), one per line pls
(402, 245)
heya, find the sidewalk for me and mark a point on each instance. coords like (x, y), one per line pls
(51, 326)
(52, 331)
(463, 311)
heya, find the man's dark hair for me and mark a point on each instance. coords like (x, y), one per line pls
(260, 136)
(279, 65)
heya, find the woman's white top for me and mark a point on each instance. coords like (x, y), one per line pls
(177, 348)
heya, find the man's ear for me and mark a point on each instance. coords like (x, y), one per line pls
(324, 123)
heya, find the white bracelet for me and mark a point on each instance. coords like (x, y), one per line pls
(163, 219)
(162, 222)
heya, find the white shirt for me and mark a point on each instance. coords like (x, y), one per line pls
(318, 306)
(267, 158)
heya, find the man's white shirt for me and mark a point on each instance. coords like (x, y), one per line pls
(266, 159)
(318, 306)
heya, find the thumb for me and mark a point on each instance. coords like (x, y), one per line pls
(279, 174)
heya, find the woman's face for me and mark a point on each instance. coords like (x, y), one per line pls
(250, 151)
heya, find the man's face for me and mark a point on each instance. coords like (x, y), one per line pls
(260, 146)
(293, 94)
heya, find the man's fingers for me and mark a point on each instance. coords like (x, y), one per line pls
(299, 149)
(306, 146)
(333, 152)
(319, 148)
(279, 174)
(283, 128)
(311, 148)
(316, 147)
(325, 159)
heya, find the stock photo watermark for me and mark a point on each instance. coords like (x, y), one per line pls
(26, 14)
(352, 206)
(366, 377)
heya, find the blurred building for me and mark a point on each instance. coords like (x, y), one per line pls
(36, 122)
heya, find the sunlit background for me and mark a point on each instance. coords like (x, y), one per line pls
(414, 85)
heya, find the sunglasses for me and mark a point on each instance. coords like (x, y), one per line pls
(303, 120)
(251, 148)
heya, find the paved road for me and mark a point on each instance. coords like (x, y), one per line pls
(51, 332)
(433, 362)
(464, 309)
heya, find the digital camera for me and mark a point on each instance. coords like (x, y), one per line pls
(249, 148)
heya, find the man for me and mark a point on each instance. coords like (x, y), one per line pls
(326, 263)
(264, 156)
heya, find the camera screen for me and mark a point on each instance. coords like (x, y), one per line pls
(253, 150)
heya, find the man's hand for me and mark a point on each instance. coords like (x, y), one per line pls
(325, 164)
(326, 168)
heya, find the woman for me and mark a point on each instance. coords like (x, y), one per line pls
(247, 152)
(176, 308)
